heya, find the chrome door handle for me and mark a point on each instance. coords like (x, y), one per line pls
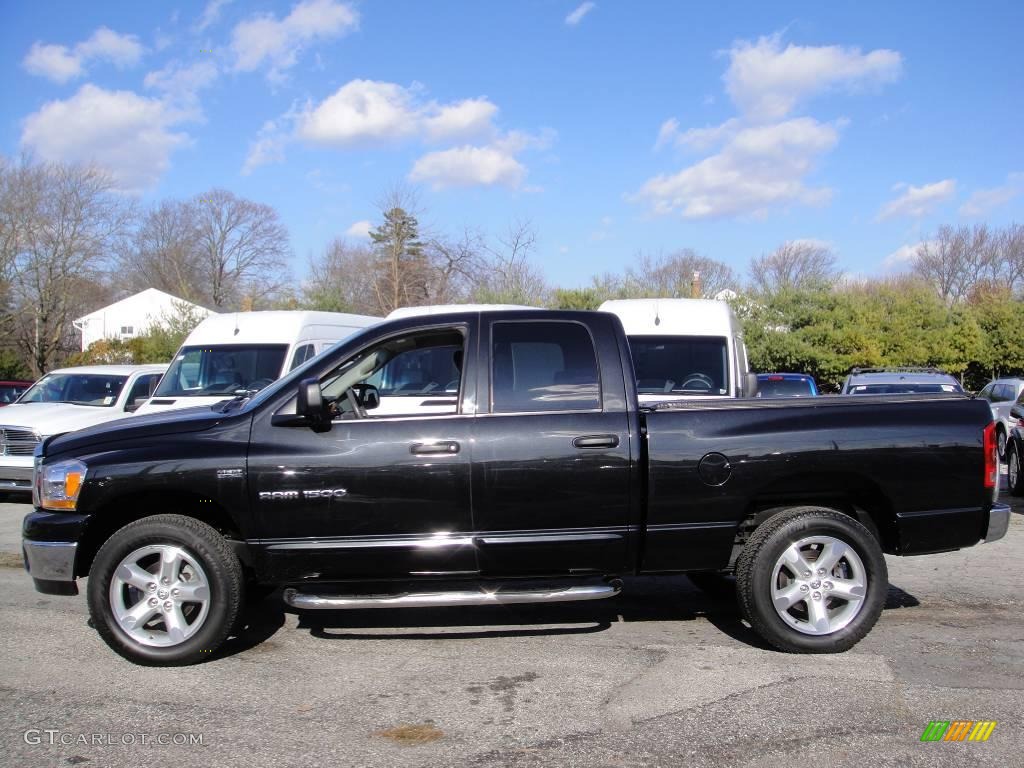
(447, 447)
(596, 441)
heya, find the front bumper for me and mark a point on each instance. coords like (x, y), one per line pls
(998, 522)
(51, 564)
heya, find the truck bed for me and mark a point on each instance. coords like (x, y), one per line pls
(715, 465)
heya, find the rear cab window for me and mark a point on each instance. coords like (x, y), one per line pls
(539, 366)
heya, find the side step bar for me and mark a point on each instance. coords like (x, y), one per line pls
(481, 596)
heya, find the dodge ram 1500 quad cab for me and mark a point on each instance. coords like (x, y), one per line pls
(523, 471)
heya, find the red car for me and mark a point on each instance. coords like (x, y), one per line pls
(12, 390)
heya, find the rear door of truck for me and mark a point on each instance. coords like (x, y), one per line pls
(554, 441)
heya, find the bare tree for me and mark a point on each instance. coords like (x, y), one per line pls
(794, 264)
(682, 274)
(506, 275)
(242, 249)
(956, 259)
(343, 279)
(163, 253)
(59, 234)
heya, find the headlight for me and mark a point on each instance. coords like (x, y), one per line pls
(57, 485)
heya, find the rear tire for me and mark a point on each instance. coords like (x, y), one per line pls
(165, 590)
(1001, 443)
(800, 606)
(1013, 477)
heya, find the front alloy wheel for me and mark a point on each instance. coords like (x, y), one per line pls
(1013, 478)
(165, 590)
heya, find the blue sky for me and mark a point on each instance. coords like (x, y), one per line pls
(611, 127)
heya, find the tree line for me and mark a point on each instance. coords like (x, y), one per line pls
(69, 244)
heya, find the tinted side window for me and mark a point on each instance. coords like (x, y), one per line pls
(1001, 393)
(302, 354)
(546, 366)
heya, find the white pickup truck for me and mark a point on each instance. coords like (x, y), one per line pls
(65, 400)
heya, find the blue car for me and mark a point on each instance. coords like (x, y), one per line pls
(786, 385)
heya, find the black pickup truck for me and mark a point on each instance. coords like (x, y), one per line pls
(481, 458)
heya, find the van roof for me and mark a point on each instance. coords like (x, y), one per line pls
(440, 309)
(673, 317)
(272, 327)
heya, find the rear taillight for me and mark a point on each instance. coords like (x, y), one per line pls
(991, 460)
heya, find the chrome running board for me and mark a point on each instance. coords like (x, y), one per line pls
(481, 596)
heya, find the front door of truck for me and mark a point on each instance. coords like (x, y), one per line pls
(385, 492)
(551, 457)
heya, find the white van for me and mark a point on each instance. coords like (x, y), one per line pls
(245, 351)
(685, 349)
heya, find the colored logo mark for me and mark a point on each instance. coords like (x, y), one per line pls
(958, 730)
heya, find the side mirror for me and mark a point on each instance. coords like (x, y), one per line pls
(310, 405)
(369, 396)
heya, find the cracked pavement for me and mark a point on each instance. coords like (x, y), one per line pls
(662, 676)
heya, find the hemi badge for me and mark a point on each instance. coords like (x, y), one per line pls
(228, 473)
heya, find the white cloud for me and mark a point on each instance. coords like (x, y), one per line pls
(361, 111)
(470, 117)
(54, 62)
(263, 39)
(917, 201)
(577, 15)
(696, 139)
(211, 14)
(902, 257)
(60, 63)
(359, 230)
(182, 83)
(128, 135)
(370, 111)
(766, 81)
(757, 167)
(268, 146)
(982, 201)
(468, 166)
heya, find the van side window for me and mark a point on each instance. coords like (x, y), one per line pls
(543, 366)
(302, 354)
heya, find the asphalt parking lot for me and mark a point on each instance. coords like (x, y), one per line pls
(661, 676)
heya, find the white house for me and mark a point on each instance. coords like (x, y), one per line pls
(133, 316)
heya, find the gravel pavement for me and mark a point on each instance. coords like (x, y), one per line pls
(661, 676)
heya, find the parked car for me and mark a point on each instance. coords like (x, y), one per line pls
(786, 385)
(244, 352)
(63, 401)
(684, 349)
(545, 481)
(1002, 394)
(1015, 447)
(898, 381)
(12, 390)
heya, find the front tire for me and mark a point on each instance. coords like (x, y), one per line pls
(1013, 478)
(812, 580)
(165, 591)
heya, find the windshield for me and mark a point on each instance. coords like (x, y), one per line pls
(222, 370)
(780, 387)
(901, 389)
(76, 388)
(683, 365)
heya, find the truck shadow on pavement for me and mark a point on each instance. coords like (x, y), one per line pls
(643, 599)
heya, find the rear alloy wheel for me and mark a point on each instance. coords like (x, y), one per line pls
(1013, 478)
(812, 580)
(165, 590)
(1001, 444)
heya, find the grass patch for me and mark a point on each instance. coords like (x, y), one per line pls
(410, 735)
(11, 560)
